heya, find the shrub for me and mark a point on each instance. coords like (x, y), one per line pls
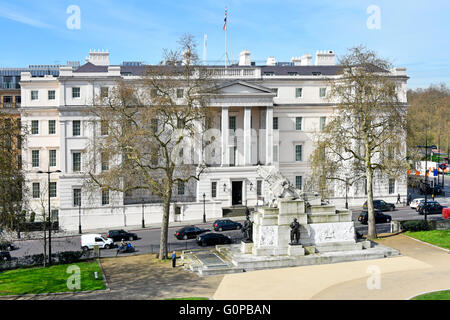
(416, 225)
(32, 216)
(69, 256)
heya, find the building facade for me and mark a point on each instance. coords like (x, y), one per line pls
(266, 115)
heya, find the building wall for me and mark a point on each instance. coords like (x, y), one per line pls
(286, 107)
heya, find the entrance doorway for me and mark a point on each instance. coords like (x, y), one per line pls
(236, 193)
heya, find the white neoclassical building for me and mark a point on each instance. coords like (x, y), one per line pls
(266, 115)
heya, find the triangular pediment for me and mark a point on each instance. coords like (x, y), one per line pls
(243, 87)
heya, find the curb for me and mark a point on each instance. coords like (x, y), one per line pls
(429, 244)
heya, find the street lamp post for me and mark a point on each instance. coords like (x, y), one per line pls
(426, 173)
(346, 193)
(143, 221)
(204, 208)
(49, 215)
(79, 216)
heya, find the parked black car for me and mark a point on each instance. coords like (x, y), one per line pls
(381, 205)
(189, 232)
(432, 207)
(379, 217)
(7, 246)
(211, 238)
(226, 224)
(118, 235)
(5, 256)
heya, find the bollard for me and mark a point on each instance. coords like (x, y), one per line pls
(96, 275)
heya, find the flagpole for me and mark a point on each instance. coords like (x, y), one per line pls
(226, 29)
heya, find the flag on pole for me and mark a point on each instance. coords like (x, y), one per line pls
(225, 20)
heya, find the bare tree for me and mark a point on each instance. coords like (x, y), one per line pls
(367, 131)
(148, 125)
(11, 173)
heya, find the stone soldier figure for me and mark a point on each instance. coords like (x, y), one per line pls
(295, 232)
(247, 229)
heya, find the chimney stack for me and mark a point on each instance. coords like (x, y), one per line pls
(99, 58)
(325, 58)
(244, 58)
(271, 61)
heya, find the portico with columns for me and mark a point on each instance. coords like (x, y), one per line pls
(243, 118)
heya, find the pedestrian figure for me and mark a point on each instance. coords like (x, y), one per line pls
(398, 198)
(432, 196)
(174, 259)
(409, 199)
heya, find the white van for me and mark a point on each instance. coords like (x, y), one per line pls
(88, 241)
(415, 203)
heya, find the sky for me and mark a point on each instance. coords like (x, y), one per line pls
(412, 34)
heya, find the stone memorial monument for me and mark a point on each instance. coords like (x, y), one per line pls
(294, 228)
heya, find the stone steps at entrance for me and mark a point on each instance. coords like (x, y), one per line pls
(235, 211)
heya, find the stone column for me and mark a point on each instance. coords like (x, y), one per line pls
(269, 135)
(225, 136)
(247, 136)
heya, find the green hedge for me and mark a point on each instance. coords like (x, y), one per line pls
(416, 225)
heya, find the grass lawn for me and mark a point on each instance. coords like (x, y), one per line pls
(438, 295)
(49, 280)
(439, 238)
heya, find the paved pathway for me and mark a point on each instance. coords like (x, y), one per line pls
(421, 268)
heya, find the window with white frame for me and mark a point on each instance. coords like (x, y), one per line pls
(76, 92)
(77, 197)
(180, 93)
(76, 161)
(298, 182)
(105, 161)
(34, 126)
(51, 126)
(275, 123)
(76, 128)
(298, 123)
(180, 188)
(35, 158)
(51, 95)
(232, 123)
(298, 92)
(36, 190)
(34, 95)
(323, 92)
(52, 158)
(213, 189)
(259, 187)
(323, 121)
(298, 152)
(105, 197)
(391, 186)
(53, 190)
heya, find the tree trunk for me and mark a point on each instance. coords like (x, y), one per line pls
(372, 233)
(163, 250)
